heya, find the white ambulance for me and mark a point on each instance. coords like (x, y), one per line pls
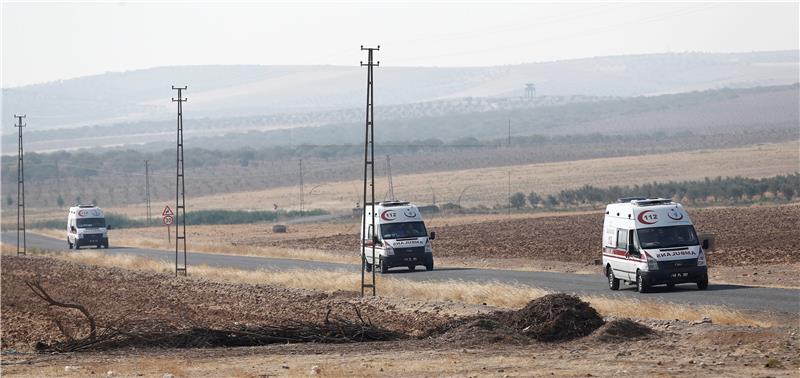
(651, 241)
(86, 225)
(399, 239)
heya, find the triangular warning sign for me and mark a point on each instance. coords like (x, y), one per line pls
(167, 212)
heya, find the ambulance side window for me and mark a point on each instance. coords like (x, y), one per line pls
(622, 239)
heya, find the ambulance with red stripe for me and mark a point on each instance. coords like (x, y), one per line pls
(651, 241)
(398, 238)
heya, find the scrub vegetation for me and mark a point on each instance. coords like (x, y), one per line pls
(716, 191)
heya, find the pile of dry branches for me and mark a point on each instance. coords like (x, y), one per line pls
(155, 333)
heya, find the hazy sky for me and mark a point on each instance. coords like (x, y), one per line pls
(50, 41)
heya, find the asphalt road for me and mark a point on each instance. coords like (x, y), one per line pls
(734, 296)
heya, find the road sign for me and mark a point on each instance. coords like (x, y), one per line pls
(168, 220)
(167, 212)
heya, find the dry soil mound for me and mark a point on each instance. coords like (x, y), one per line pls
(553, 317)
(623, 330)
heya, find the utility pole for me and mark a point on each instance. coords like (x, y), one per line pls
(509, 132)
(147, 189)
(21, 191)
(302, 189)
(180, 187)
(58, 182)
(509, 193)
(389, 174)
(369, 173)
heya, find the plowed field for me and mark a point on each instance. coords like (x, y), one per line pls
(744, 236)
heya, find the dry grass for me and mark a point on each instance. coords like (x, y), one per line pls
(492, 293)
(144, 238)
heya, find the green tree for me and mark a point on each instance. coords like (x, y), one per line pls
(534, 199)
(517, 200)
(60, 201)
(550, 201)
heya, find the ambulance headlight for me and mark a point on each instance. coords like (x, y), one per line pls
(701, 259)
(652, 264)
(388, 249)
(428, 247)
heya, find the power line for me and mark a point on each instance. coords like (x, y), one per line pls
(147, 189)
(389, 175)
(302, 189)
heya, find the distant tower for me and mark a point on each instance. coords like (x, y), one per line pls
(530, 91)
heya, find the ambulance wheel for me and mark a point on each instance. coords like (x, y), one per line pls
(411, 268)
(613, 282)
(367, 265)
(703, 283)
(77, 246)
(105, 245)
(429, 265)
(641, 285)
(384, 268)
(69, 245)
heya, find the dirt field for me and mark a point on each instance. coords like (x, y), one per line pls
(435, 342)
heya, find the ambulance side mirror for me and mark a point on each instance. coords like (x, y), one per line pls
(108, 227)
(433, 235)
(376, 240)
(705, 243)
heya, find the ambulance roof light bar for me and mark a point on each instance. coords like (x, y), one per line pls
(652, 202)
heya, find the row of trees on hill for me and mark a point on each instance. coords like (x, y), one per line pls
(728, 190)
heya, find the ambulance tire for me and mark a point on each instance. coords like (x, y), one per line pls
(367, 267)
(77, 246)
(703, 284)
(69, 245)
(384, 268)
(429, 265)
(613, 282)
(105, 245)
(641, 285)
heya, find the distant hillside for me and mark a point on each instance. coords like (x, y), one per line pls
(712, 111)
(227, 91)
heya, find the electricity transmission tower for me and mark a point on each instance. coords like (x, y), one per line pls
(21, 191)
(369, 174)
(180, 188)
(389, 175)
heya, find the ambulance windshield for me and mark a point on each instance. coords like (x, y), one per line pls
(667, 237)
(403, 230)
(91, 222)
